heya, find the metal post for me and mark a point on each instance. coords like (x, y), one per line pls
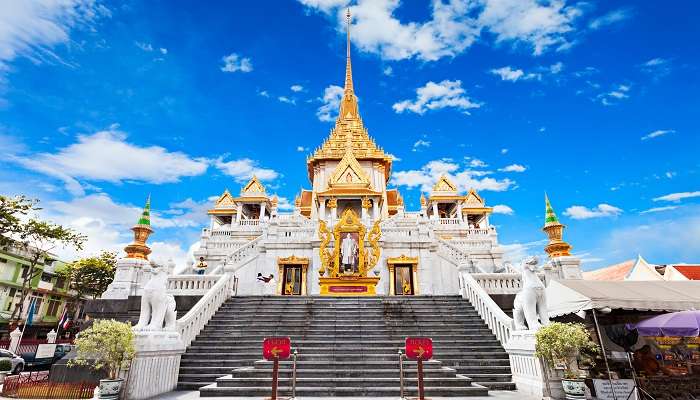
(400, 375)
(605, 357)
(421, 389)
(275, 371)
(294, 375)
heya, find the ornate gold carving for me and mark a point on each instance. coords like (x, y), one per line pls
(473, 199)
(349, 172)
(324, 254)
(332, 202)
(402, 259)
(225, 200)
(366, 203)
(253, 186)
(373, 237)
(349, 223)
(444, 185)
(423, 201)
(294, 260)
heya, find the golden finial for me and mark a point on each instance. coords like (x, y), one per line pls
(348, 106)
(142, 229)
(554, 229)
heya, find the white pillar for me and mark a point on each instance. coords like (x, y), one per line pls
(322, 209)
(51, 336)
(262, 211)
(375, 210)
(435, 210)
(14, 340)
(239, 212)
(459, 212)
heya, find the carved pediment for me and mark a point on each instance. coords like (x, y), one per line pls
(444, 185)
(253, 187)
(473, 199)
(225, 200)
(349, 172)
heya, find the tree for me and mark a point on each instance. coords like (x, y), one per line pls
(107, 345)
(38, 238)
(12, 210)
(90, 276)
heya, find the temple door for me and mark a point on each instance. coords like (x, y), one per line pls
(403, 280)
(291, 280)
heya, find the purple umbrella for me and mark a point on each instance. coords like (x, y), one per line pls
(682, 323)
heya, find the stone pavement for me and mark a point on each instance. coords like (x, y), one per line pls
(493, 395)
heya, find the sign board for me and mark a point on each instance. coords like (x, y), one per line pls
(419, 348)
(622, 387)
(277, 348)
(45, 351)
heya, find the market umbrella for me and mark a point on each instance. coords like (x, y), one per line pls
(682, 323)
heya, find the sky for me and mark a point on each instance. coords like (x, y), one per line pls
(595, 103)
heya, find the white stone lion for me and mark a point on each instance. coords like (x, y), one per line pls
(531, 301)
(157, 306)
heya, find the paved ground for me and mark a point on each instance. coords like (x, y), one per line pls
(494, 395)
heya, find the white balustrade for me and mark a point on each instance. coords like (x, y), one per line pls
(471, 243)
(194, 321)
(477, 232)
(399, 232)
(449, 221)
(499, 283)
(295, 234)
(249, 222)
(447, 249)
(498, 321)
(191, 285)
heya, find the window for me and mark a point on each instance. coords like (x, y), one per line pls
(46, 278)
(25, 271)
(11, 303)
(54, 304)
(60, 282)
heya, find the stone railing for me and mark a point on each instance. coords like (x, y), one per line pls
(499, 283)
(472, 244)
(191, 285)
(449, 221)
(396, 232)
(452, 252)
(477, 232)
(499, 323)
(294, 234)
(249, 222)
(194, 321)
(240, 254)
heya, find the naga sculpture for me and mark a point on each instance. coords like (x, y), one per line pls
(157, 306)
(531, 302)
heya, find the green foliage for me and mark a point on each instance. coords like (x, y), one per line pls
(559, 342)
(90, 275)
(12, 210)
(5, 365)
(107, 345)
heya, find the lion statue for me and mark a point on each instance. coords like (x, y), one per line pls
(531, 302)
(157, 306)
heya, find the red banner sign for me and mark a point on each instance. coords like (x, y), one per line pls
(419, 348)
(276, 347)
(347, 289)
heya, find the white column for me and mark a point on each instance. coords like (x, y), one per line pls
(14, 340)
(459, 212)
(435, 210)
(322, 209)
(239, 212)
(375, 210)
(51, 336)
(262, 211)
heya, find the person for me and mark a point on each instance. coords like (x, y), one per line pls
(348, 249)
(265, 279)
(646, 362)
(201, 266)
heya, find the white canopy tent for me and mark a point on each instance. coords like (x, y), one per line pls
(574, 295)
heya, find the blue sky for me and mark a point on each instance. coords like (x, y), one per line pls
(596, 103)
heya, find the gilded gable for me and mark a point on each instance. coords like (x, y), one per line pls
(253, 187)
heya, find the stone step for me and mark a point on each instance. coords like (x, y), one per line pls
(365, 382)
(340, 391)
(347, 373)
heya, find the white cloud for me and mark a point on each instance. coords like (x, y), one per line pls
(676, 197)
(419, 144)
(513, 168)
(285, 99)
(331, 101)
(302, 149)
(434, 96)
(144, 46)
(658, 209)
(657, 67)
(393, 157)
(296, 88)
(504, 151)
(510, 74)
(34, 29)
(264, 93)
(619, 92)
(426, 177)
(163, 51)
(388, 71)
(244, 169)
(476, 163)
(454, 26)
(611, 18)
(502, 209)
(107, 156)
(556, 67)
(233, 63)
(657, 133)
(516, 252)
(602, 210)
(284, 204)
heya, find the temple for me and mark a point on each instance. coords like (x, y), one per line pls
(349, 233)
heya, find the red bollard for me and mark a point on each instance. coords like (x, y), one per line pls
(421, 389)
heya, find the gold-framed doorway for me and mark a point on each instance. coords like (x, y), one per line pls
(403, 275)
(292, 275)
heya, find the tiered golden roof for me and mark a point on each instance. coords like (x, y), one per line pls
(349, 131)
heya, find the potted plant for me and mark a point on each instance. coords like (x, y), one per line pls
(5, 369)
(108, 345)
(560, 344)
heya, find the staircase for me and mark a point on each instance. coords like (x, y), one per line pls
(347, 347)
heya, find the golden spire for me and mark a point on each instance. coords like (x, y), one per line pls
(554, 229)
(348, 106)
(142, 229)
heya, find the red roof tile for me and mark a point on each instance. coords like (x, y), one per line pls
(691, 272)
(616, 272)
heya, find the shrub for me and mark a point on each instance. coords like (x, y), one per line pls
(5, 365)
(107, 345)
(560, 342)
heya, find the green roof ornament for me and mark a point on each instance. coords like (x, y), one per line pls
(146, 214)
(550, 217)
